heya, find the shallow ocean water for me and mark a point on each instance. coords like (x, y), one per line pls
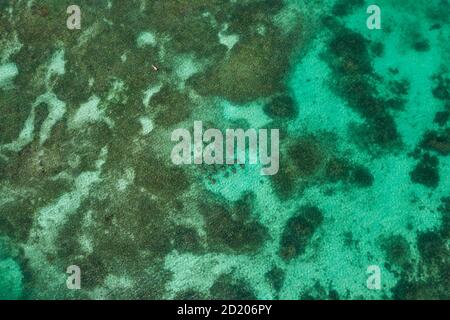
(85, 172)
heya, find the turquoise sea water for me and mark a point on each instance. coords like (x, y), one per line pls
(85, 172)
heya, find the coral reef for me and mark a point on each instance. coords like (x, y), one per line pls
(298, 232)
(86, 177)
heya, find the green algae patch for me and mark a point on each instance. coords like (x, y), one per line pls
(168, 181)
(198, 36)
(173, 106)
(143, 223)
(73, 86)
(187, 240)
(33, 163)
(255, 68)
(14, 111)
(41, 113)
(16, 219)
(68, 237)
(246, 16)
(298, 232)
(118, 237)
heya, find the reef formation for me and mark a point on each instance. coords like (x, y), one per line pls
(86, 177)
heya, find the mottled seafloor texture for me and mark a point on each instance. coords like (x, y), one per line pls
(85, 171)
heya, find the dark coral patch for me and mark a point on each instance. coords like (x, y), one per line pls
(187, 240)
(311, 159)
(426, 171)
(377, 49)
(437, 141)
(298, 232)
(351, 48)
(351, 62)
(434, 278)
(15, 108)
(190, 294)
(337, 170)
(199, 35)
(174, 106)
(398, 252)
(345, 7)
(227, 287)
(281, 107)
(441, 90)
(306, 156)
(302, 159)
(232, 228)
(399, 87)
(444, 208)
(341, 170)
(441, 118)
(94, 270)
(421, 45)
(41, 113)
(255, 68)
(245, 16)
(165, 180)
(275, 277)
(319, 292)
(361, 176)
(431, 247)
(16, 219)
